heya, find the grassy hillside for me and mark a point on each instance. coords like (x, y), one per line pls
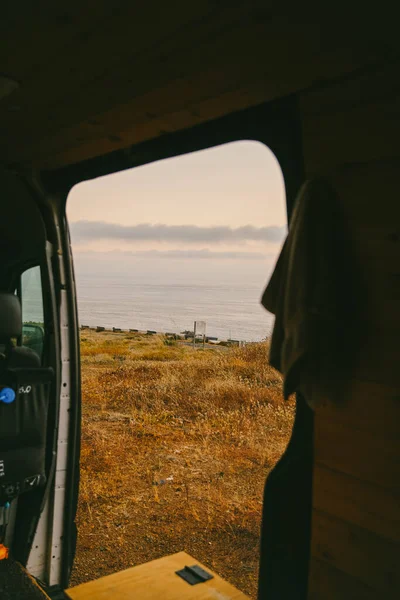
(176, 445)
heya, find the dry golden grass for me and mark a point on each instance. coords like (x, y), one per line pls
(176, 446)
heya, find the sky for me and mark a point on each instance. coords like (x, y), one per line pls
(224, 203)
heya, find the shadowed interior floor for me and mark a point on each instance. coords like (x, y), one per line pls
(17, 584)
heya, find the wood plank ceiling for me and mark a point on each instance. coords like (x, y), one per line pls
(95, 76)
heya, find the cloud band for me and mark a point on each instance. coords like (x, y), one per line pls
(86, 231)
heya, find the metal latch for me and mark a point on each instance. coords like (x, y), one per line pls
(194, 575)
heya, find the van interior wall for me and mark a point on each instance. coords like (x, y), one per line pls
(352, 130)
(22, 230)
(22, 245)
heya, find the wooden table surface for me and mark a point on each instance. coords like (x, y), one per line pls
(156, 580)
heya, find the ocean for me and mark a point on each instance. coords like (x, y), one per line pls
(168, 296)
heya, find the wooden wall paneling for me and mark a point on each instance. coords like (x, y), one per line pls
(367, 406)
(357, 552)
(125, 62)
(371, 458)
(100, 144)
(358, 502)
(91, 39)
(378, 358)
(354, 120)
(328, 583)
(351, 133)
(374, 135)
(137, 105)
(35, 36)
(193, 88)
(119, 68)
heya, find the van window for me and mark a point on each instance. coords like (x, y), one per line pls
(31, 296)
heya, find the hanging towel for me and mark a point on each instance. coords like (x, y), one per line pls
(309, 293)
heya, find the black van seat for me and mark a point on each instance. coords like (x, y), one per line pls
(23, 408)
